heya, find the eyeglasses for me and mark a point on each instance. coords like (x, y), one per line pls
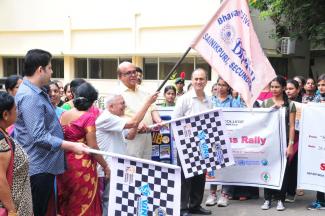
(129, 73)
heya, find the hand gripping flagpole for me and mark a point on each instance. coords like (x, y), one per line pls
(173, 69)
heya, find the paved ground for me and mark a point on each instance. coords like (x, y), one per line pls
(252, 207)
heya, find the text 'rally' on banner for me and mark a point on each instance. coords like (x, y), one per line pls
(258, 143)
(230, 45)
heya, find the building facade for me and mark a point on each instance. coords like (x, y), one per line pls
(90, 38)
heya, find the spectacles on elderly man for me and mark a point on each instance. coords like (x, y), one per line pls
(129, 73)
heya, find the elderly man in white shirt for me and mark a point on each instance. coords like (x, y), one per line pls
(134, 96)
(194, 101)
(112, 130)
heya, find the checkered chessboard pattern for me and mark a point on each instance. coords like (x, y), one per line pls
(186, 133)
(127, 179)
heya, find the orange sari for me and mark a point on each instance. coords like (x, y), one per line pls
(78, 191)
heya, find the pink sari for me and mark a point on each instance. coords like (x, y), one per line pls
(78, 192)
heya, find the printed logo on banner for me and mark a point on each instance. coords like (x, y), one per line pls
(187, 130)
(160, 212)
(143, 200)
(264, 162)
(204, 148)
(265, 176)
(247, 162)
(228, 34)
(129, 175)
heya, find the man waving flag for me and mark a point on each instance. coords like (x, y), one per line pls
(230, 45)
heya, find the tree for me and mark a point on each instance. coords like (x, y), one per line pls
(295, 18)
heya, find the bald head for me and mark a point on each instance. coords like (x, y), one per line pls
(198, 71)
(127, 74)
(122, 66)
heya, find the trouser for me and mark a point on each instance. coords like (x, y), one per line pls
(320, 196)
(279, 194)
(42, 186)
(104, 190)
(292, 176)
(192, 190)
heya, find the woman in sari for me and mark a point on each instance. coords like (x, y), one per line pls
(15, 192)
(78, 193)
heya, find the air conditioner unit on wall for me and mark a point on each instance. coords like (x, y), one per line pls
(288, 45)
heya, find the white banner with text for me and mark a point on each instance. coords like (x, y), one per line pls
(311, 158)
(258, 142)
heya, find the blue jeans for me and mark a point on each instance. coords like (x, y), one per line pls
(104, 186)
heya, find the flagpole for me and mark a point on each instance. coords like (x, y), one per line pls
(111, 154)
(173, 69)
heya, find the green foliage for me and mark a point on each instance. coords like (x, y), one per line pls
(295, 18)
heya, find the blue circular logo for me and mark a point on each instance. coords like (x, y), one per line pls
(228, 34)
(264, 162)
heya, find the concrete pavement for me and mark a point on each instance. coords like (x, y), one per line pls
(252, 207)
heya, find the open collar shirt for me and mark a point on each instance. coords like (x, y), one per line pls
(190, 104)
(38, 130)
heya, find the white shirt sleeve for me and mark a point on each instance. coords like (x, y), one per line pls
(109, 122)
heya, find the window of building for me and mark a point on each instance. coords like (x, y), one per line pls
(97, 68)
(166, 64)
(15, 66)
(57, 67)
(280, 66)
(81, 67)
(102, 68)
(9, 66)
(159, 67)
(150, 68)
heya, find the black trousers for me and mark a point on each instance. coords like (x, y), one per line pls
(292, 173)
(42, 186)
(281, 194)
(192, 191)
(320, 196)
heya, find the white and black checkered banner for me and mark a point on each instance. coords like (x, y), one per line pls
(202, 143)
(143, 187)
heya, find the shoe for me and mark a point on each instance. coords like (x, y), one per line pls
(280, 206)
(223, 201)
(316, 206)
(211, 200)
(290, 199)
(266, 205)
(200, 210)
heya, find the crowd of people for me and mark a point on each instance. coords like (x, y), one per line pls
(47, 128)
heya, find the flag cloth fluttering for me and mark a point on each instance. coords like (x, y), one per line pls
(230, 45)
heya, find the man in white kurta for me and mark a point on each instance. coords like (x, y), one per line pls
(134, 97)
